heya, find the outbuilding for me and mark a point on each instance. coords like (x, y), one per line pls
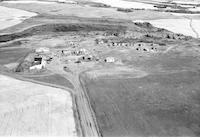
(42, 50)
(87, 58)
(38, 60)
(109, 59)
(66, 52)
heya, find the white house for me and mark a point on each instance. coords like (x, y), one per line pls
(40, 66)
(37, 67)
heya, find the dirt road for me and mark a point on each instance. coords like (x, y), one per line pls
(87, 118)
(193, 28)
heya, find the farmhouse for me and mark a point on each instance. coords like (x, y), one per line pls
(39, 66)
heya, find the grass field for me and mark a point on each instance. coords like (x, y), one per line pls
(54, 79)
(155, 105)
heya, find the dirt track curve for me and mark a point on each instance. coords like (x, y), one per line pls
(86, 118)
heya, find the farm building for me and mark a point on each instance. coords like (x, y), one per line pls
(39, 66)
(140, 44)
(44, 50)
(87, 58)
(83, 51)
(99, 41)
(119, 44)
(66, 52)
(36, 67)
(109, 59)
(38, 60)
(80, 52)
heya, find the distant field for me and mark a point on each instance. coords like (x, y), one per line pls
(54, 79)
(86, 11)
(177, 1)
(155, 105)
(126, 4)
(183, 26)
(10, 16)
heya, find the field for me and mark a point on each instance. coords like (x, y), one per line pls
(86, 11)
(154, 105)
(150, 96)
(126, 4)
(186, 26)
(28, 109)
(30, 1)
(8, 19)
(54, 79)
(12, 55)
(183, 26)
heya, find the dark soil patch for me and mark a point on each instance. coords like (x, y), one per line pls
(55, 28)
(13, 55)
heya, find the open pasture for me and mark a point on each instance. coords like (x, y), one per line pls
(154, 105)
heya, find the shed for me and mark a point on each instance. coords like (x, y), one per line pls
(87, 58)
(42, 50)
(38, 59)
(109, 59)
(83, 51)
(66, 52)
